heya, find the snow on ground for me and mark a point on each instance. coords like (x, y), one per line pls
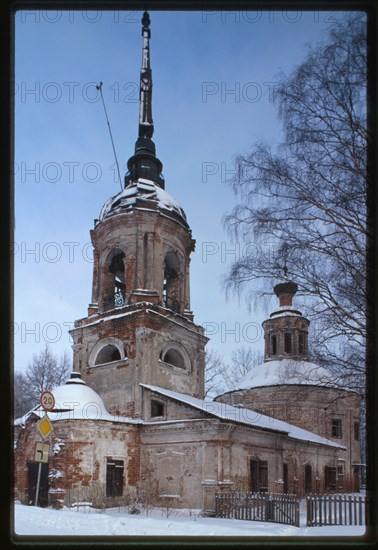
(30, 520)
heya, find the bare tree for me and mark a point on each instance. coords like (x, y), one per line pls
(214, 374)
(44, 372)
(303, 208)
(221, 376)
(242, 361)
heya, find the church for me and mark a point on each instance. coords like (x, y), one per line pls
(132, 423)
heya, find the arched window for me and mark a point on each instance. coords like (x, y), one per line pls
(114, 279)
(108, 354)
(175, 354)
(107, 350)
(171, 287)
(174, 357)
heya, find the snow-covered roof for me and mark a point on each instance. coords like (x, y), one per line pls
(75, 400)
(143, 195)
(289, 372)
(244, 416)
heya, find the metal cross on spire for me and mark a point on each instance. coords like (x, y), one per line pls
(146, 125)
(144, 163)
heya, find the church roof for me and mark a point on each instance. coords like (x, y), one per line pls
(245, 416)
(144, 195)
(287, 372)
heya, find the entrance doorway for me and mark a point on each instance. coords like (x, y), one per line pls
(43, 484)
(356, 479)
(285, 479)
(308, 479)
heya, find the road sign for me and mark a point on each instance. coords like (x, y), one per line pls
(47, 401)
(41, 453)
(44, 426)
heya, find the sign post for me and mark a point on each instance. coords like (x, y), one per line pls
(45, 428)
(38, 481)
(41, 455)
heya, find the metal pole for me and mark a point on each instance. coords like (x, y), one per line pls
(38, 480)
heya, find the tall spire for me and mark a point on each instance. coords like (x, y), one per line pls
(144, 163)
(146, 124)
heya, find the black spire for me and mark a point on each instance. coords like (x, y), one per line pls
(144, 163)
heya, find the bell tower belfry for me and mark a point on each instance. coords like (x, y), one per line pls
(140, 327)
(286, 331)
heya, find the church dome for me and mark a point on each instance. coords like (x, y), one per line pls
(78, 399)
(287, 372)
(143, 195)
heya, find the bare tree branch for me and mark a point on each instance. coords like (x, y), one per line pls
(305, 205)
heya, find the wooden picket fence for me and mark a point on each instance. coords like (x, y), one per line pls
(337, 510)
(278, 508)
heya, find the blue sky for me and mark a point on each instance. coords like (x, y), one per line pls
(213, 77)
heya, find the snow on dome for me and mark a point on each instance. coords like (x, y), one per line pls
(287, 371)
(74, 400)
(79, 398)
(143, 194)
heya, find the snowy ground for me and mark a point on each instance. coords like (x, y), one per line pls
(30, 520)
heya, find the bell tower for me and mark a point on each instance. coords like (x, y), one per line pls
(140, 328)
(286, 331)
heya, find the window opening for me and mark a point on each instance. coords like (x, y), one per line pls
(171, 282)
(356, 431)
(174, 357)
(108, 354)
(336, 428)
(274, 344)
(157, 408)
(117, 269)
(301, 344)
(287, 342)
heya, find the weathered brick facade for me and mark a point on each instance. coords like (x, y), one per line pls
(300, 392)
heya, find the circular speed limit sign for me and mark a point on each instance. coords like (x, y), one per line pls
(47, 400)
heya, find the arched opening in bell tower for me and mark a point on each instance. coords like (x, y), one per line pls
(171, 286)
(114, 279)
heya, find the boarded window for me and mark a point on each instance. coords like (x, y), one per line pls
(114, 478)
(259, 476)
(157, 408)
(336, 428)
(287, 342)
